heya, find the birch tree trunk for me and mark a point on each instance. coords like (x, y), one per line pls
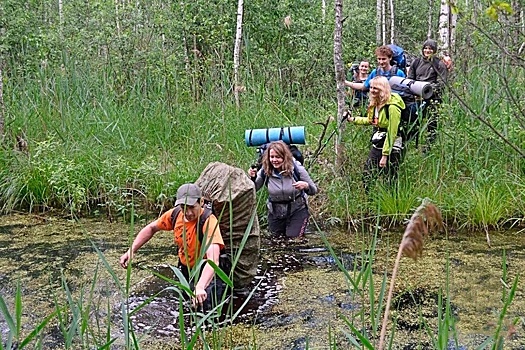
(392, 22)
(2, 106)
(340, 81)
(447, 27)
(379, 34)
(323, 10)
(429, 32)
(521, 19)
(237, 53)
(452, 20)
(383, 22)
(444, 35)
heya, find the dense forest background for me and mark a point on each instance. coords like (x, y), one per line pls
(111, 99)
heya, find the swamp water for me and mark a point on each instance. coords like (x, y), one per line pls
(302, 296)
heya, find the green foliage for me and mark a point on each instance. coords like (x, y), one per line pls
(127, 102)
(497, 8)
(15, 340)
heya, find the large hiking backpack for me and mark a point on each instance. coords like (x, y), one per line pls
(410, 120)
(399, 58)
(234, 203)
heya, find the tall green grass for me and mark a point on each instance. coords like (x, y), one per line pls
(85, 322)
(93, 147)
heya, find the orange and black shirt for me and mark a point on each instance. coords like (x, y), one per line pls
(187, 237)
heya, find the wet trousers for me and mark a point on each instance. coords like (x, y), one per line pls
(293, 225)
(217, 286)
(372, 171)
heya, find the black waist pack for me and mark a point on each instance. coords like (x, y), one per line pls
(378, 138)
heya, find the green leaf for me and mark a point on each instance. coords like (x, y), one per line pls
(18, 308)
(7, 315)
(364, 340)
(37, 330)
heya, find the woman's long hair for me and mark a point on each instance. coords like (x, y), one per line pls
(282, 151)
(385, 92)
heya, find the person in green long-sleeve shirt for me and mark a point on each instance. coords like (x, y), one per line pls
(385, 152)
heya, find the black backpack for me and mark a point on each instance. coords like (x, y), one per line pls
(409, 124)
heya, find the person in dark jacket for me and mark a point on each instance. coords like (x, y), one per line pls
(288, 185)
(431, 69)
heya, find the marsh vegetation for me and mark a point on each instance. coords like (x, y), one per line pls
(303, 299)
(107, 108)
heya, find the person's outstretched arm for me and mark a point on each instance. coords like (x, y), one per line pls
(142, 238)
(212, 253)
(364, 86)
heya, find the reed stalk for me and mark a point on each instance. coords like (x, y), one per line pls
(425, 217)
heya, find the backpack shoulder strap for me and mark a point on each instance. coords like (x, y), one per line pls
(295, 174)
(387, 112)
(202, 221)
(265, 178)
(393, 71)
(175, 214)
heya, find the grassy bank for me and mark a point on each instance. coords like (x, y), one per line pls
(93, 148)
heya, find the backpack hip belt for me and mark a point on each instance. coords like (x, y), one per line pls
(287, 201)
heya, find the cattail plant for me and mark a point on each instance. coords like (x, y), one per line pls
(426, 217)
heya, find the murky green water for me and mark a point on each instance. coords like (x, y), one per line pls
(302, 298)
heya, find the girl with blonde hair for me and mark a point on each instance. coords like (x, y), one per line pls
(386, 145)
